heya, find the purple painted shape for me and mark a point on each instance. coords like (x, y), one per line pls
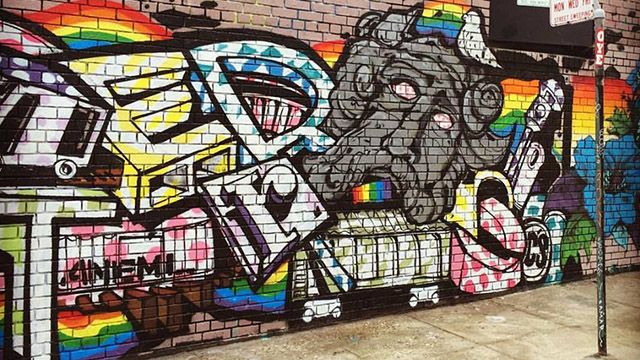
(566, 194)
(36, 72)
(240, 214)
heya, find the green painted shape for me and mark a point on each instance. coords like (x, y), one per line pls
(444, 18)
(619, 123)
(18, 322)
(223, 79)
(12, 240)
(87, 34)
(247, 50)
(264, 290)
(579, 233)
(310, 71)
(271, 51)
(205, 69)
(513, 117)
(534, 210)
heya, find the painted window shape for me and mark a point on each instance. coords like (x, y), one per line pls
(279, 98)
(273, 97)
(78, 132)
(161, 104)
(264, 212)
(15, 123)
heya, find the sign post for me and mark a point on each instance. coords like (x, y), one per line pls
(562, 12)
(600, 269)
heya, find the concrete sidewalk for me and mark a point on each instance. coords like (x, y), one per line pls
(553, 322)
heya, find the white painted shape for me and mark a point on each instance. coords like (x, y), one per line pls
(564, 12)
(534, 3)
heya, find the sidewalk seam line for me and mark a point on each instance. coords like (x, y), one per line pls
(462, 337)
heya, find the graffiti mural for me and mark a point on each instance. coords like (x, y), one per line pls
(401, 113)
(168, 179)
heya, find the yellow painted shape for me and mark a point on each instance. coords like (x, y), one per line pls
(144, 83)
(139, 159)
(164, 120)
(279, 275)
(170, 195)
(128, 190)
(519, 95)
(119, 27)
(133, 65)
(452, 8)
(464, 211)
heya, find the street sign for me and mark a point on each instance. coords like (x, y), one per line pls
(534, 3)
(563, 12)
(600, 47)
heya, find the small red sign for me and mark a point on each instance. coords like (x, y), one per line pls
(600, 47)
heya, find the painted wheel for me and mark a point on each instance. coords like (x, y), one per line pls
(538, 257)
(413, 301)
(435, 297)
(65, 169)
(337, 312)
(307, 315)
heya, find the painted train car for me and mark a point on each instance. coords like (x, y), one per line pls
(370, 250)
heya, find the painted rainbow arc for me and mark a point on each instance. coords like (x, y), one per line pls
(93, 336)
(100, 25)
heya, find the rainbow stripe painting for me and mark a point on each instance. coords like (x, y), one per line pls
(269, 298)
(374, 192)
(2, 334)
(329, 51)
(85, 24)
(95, 336)
(518, 97)
(441, 18)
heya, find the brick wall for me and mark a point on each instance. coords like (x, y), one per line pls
(178, 172)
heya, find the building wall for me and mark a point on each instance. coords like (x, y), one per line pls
(181, 171)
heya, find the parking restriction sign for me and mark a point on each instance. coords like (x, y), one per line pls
(563, 12)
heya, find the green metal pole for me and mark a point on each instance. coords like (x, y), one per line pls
(599, 74)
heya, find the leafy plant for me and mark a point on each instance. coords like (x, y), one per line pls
(579, 233)
(620, 123)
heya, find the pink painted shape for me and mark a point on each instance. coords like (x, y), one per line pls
(114, 249)
(405, 90)
(199, 252)
(269, 120)
(498, 275)
(12, 43)
(476, 266)
(175, 228)
(444, 121)
(152, 253)
(129, 226)
(88, 231)
(469, 287)
(69, 265)
(295, 118)
(484, 280)
(257, 109)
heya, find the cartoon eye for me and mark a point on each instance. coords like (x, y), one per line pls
(444, 121)
(405, 89)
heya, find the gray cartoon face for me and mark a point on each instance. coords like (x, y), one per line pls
(404, 109)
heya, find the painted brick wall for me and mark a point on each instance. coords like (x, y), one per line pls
(180, 172)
